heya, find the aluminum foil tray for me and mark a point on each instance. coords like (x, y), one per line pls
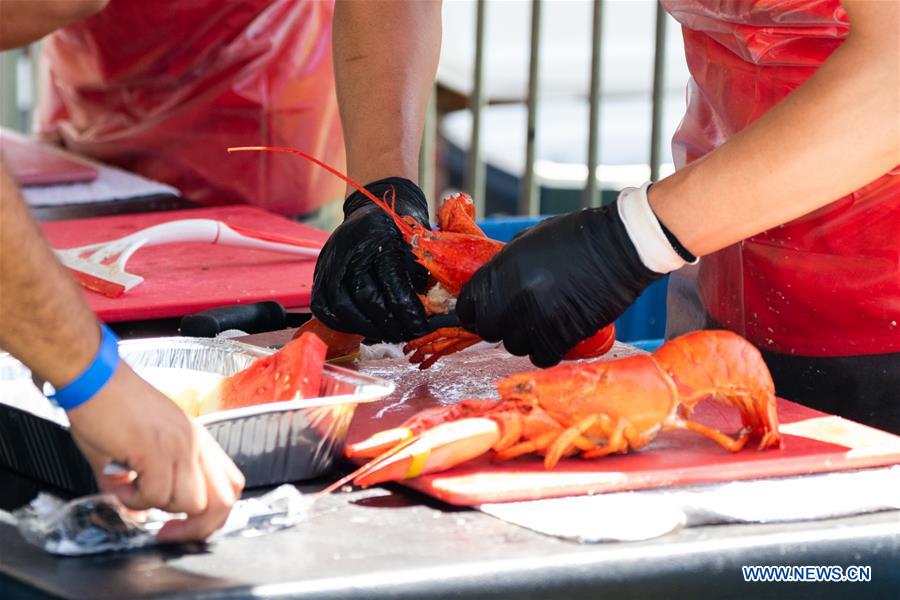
(271, 443)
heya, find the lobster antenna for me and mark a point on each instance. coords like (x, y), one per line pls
(382, 204)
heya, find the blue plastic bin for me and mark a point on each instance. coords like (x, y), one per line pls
(643, 322)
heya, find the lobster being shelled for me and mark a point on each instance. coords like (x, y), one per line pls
(451, 254)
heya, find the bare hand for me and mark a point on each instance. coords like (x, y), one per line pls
(179, 467)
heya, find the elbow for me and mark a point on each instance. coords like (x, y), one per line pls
(27, 22)
(83, 9)
(53, 14)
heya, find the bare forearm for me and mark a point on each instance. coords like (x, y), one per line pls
(44, 319)
(26, 21)
(385, 59)
(837, 132)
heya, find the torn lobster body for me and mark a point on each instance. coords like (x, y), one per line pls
(451, 254)
(340, 346)
(591, 409)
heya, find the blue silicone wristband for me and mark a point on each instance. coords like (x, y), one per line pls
(99, 372)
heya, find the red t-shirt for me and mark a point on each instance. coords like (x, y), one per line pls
(827, 284)
(163, 87)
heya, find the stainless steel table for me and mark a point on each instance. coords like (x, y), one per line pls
(392, 543)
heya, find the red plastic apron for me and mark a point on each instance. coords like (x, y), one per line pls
(827, 284)
(163, 87)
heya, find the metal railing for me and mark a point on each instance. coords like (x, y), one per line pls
(18, 86)
(529, 195)
(591, 195)
(476, 175)
(659, 75)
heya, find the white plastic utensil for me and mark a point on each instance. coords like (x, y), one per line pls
(101, 267)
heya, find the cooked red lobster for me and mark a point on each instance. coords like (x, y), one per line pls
(591, 409)
(451, 254)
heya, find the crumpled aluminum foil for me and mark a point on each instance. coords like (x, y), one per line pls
(100, 523)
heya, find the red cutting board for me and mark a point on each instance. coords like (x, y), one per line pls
(184, 278)
(34, 163)
(813, 441)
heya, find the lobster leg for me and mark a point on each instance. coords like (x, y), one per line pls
(512, 425)
(724, 440)
(616, 442)
(542, 442)
(433, 341)
(566, 440)
(441, 342)
(527, 447)
(456, 347)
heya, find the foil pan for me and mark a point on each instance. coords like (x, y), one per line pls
(271, 443)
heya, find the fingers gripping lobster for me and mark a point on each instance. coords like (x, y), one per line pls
(451, 255)
(591, 409)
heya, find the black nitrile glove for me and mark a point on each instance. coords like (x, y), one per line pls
(561, 281)
(366, 278)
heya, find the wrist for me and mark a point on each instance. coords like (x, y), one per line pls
(380, 173)
(410, 199)
(84, 386)
(614, 263)
(658, 248)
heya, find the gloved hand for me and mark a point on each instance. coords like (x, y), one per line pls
(366, 278)
(560, 281)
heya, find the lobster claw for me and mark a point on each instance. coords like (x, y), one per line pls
(379, 443)
(436, 449)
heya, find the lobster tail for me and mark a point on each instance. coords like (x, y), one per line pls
(724, 366)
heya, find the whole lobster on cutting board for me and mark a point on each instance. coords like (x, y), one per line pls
(451, 255)
(591, 409)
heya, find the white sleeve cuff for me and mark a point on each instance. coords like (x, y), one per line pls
(645, 232)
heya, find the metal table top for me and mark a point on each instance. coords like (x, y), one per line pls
(392, 543)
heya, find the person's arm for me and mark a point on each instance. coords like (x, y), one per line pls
(385, 59)
(564, 279)
(46, 323)
(26, 21)
(832, 135)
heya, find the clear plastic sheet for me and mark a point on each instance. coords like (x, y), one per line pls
(100, 523)
(162, 88)
(827, 283)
